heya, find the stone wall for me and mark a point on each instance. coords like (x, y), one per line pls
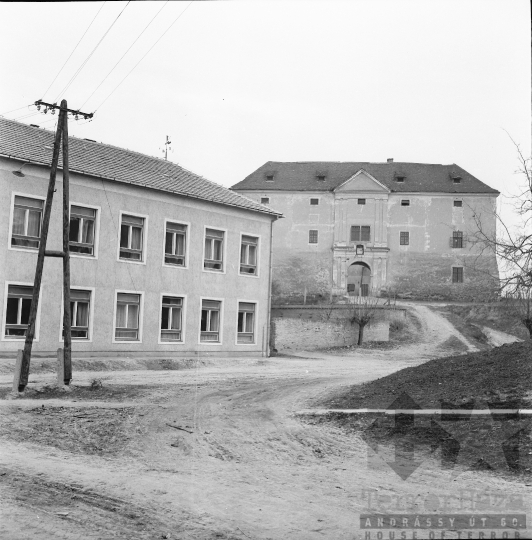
(313, 327)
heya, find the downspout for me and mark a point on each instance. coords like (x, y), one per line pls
(266, 352)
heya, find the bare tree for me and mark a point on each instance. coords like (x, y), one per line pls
(518, 304)
(364, 311)
(511, 245)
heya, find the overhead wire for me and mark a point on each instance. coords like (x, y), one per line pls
(122, 57)
(73, 50)
(148, 51)
(73, 78)
(15, 110)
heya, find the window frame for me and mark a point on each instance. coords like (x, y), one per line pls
(141, 316)
(92, 290)
(187, 244)
(310, 231)
(183, 318)
(453, 268)
(363, 203)
(224, 250)
(354, 241)
(458, 239)
(314, 199)
(263, 198)
(405, 202)
(221, 321)
(3, 337)
(96, 231)
(144, 238)
(256, 303)
(12, 216)
(402, 235)
(461, 205)
(258, 237)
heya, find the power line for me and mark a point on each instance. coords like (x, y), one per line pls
(89, 56)
(14, 110)
(118, 85)
(73, 50)
(138, 37)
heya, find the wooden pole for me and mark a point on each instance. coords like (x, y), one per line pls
(30, 334)
(67, 329)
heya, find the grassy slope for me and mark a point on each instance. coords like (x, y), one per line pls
(503, 373)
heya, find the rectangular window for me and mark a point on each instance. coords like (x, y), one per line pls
(171, 318)
(457, 179)
(246, 323)
(131, 237)
(248, 255)
(361, 201)
(127, 317)
(458, 204)
(175, 244)
(214, 247)
(82, 227)
(80, 302)
(27, 220)
(458, 274)
(210, 320)
(405, 202)
(458, 239)
(18, 310)
(404, 238)
(360, 233)
(314, 202)
(313, 237)
(265, 200)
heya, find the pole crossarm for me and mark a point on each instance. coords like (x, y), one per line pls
(40, 103)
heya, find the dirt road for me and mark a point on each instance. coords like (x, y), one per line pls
(241, 465)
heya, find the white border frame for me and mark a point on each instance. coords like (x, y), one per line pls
(187, 243)
(259, 244)
(224, 252)
(91, 314)
(96, 232)
(222, 309)
(141, 316)
(254, 323)
(183, 319)
(11, 215)
(144, 238)
(4, 313)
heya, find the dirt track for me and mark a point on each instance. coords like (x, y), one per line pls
(242, 466)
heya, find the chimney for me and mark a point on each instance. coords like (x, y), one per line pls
(390, 160)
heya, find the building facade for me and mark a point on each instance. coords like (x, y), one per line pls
(376, 229)
(162, 260)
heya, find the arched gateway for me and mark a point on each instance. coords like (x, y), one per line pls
(358, 279)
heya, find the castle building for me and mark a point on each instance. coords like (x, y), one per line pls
(375, 229)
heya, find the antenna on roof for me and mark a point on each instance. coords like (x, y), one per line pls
(166, 147)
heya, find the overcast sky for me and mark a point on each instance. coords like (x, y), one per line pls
(236, 84)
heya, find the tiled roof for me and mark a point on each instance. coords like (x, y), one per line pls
(27, 143)
(418, 177)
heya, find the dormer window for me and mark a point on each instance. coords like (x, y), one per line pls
(399, 177)
(320, 176)
(269, 177)
(456, 178)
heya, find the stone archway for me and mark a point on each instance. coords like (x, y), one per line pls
(358, 279)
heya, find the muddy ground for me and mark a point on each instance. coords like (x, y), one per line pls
(218, 450)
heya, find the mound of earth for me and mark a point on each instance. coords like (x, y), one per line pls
(502, 374)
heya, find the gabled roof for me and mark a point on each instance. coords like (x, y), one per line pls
(418, 177)
(27, 143)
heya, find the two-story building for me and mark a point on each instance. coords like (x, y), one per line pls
(376, 228)
(162, 260)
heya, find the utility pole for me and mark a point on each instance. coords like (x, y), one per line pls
(61, 134)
